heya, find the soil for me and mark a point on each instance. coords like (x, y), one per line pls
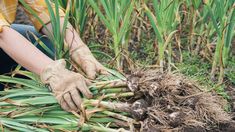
(230, 90)
(165, 102)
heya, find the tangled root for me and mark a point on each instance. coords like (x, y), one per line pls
(170, 102)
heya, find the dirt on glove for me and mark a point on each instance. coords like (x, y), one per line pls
(166, 102)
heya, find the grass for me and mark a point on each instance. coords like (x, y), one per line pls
(198, 70)
(230, 70)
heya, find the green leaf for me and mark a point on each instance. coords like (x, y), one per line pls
(229, 36)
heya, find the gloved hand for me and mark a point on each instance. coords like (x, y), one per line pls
(83, 57)
(66, 85)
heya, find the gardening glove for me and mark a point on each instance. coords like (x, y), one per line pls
(83, 57)
(66, 85)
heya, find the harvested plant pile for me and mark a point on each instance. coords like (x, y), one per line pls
(29, 106)
(150, 101)
(167, 102)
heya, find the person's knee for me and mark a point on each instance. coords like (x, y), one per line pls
(27, 31)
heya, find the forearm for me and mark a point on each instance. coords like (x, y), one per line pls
(22, 51)
(72, 38)
(80, 54)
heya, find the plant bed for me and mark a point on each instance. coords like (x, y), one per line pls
(146, 100)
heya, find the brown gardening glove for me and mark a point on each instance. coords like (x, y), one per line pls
(66, 85)
(83, 57)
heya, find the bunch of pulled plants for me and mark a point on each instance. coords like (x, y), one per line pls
(147, 100)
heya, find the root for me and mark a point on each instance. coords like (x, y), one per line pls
(166, 101)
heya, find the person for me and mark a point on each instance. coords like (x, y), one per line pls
(67, 86)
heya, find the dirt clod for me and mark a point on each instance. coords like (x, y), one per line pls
(139, 109)
(170, 102)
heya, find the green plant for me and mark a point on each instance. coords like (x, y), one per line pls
(63, 3)
(79, 15)
(58, 33)
(164, 23)
(222, 14)
(116, 16)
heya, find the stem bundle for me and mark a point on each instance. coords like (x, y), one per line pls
(27, 109)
